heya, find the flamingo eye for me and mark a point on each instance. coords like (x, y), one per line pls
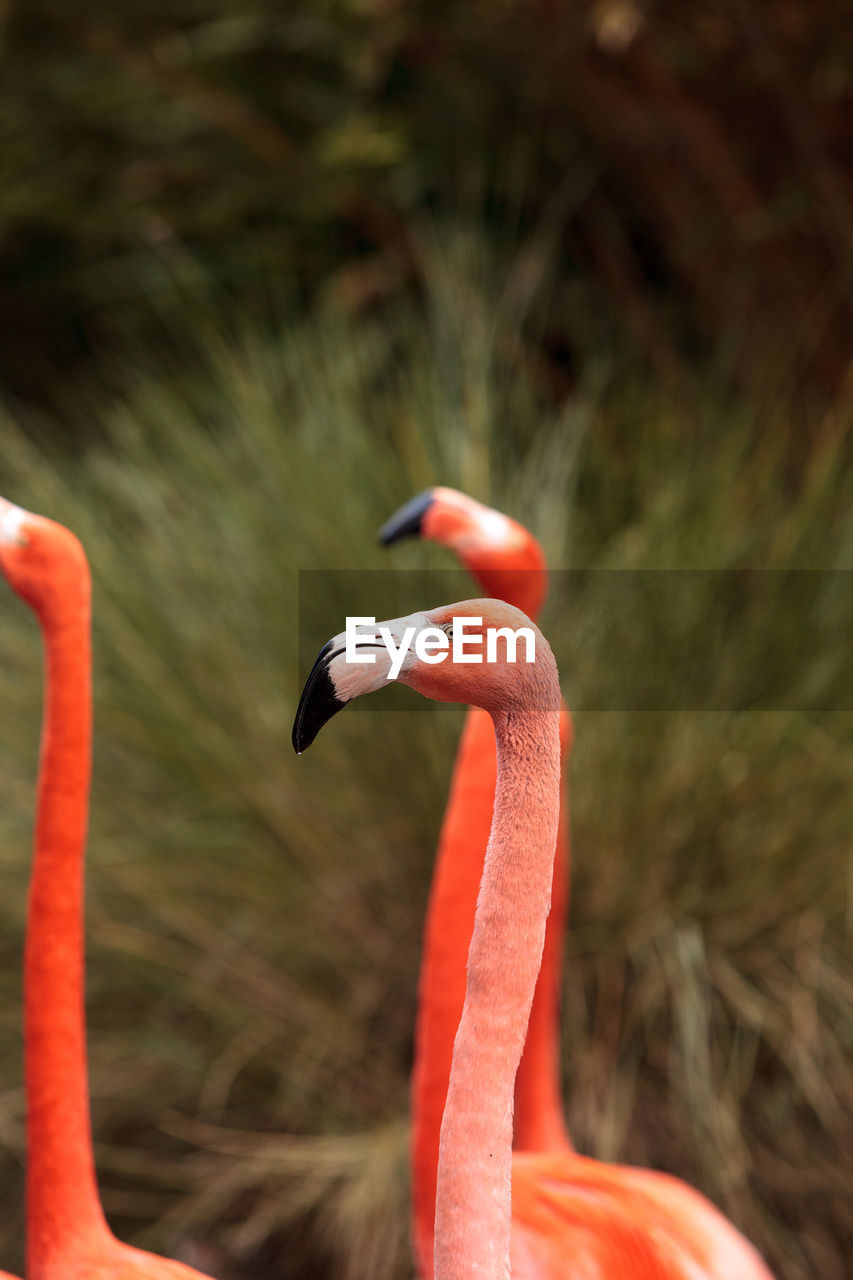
(447, 628)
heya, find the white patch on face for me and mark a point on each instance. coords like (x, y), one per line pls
(11, 523)
(351, 680)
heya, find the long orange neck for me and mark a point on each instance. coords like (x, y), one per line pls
(473, 1204)
(62, 1196)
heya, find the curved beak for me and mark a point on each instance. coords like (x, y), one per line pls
(338, 676)
(319, 701)
(407, 520)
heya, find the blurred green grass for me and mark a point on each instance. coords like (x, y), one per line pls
(254, 920)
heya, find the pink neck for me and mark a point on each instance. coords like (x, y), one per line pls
(447, 938)
(473, 1201)
(539, 1122)
(62, 1196)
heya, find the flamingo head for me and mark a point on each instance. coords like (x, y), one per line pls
(37, 555)
(502, 555)
(447, 654)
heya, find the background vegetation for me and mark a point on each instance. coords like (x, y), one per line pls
(267, 273)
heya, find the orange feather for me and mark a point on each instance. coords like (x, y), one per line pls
(67, 1233)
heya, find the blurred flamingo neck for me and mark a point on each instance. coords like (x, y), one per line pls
(520, 579)
(473, 1202)
(62, 1198)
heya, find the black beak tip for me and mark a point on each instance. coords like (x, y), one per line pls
(406, 521)
(317, 705)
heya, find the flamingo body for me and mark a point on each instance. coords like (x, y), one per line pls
(105, 1258)
(575, 1218)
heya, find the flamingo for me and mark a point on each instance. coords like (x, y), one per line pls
(67, 1233)
(508, 563)
(534, 1215)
